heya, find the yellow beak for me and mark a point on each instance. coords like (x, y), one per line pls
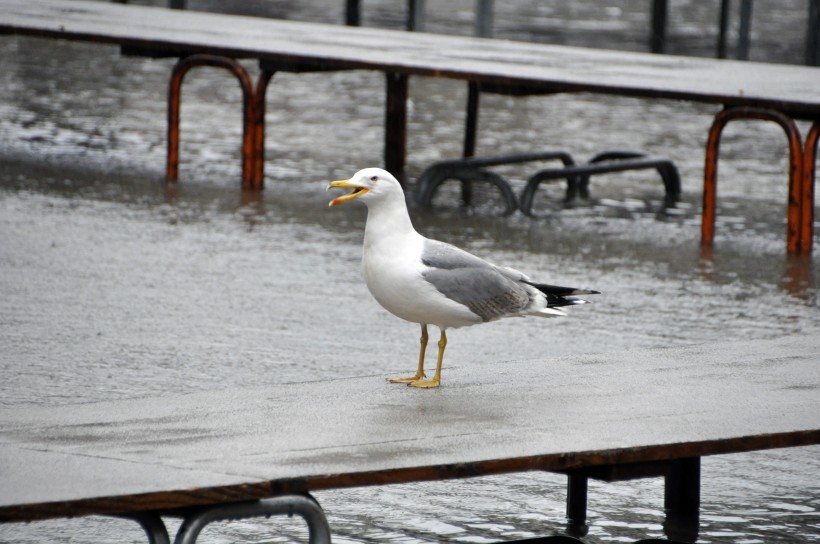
(346, 184)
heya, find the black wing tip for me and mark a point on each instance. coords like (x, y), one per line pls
(585, 292)
(562, 291)
(554, 301)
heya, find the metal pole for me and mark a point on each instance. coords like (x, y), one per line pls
(744, 40)
(307, 509)
(577, 505)
(657, 39)
(415, 15)
(353, 13)
(807, 196)
(471, 121)
(484, 18)
(813, 34)
(682, 500)
(725, 8)
(152, 524)
(395, 125)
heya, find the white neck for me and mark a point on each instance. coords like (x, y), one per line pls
(388, 222)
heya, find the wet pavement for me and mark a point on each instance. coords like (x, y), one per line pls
(115, 285)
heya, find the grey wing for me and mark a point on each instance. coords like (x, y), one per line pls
(437, 254)
(482, 287)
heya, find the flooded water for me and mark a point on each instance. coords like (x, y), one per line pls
(116, 285)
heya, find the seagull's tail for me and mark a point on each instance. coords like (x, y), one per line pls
(562, 296)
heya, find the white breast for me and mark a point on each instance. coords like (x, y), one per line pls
(392, 270)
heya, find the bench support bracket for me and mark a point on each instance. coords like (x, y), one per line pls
(197, 519)
(681, 494)
(801, 175)
(249, 117)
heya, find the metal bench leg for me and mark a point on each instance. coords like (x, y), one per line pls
(395, 126)
(248, 118)
(667, 170)
(257, 177)
(682, 499)
(807, 196)
(578, 176)
(471, 119)
(152, 524)
(582, 188)
(353, 12)
(577, 487)
(657, 38)
(793, 229)
(573, 190)
(470, 135)
(304, 506)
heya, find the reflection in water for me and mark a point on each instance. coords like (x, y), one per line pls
(798, 277)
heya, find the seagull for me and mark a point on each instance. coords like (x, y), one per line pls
(429, 282)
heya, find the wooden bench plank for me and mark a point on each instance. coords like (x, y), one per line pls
(566, 413)
(507, 64)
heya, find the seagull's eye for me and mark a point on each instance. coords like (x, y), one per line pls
(374, 178)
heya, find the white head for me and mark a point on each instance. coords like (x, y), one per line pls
(369, 185)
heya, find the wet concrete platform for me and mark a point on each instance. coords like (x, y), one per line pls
(641, 406)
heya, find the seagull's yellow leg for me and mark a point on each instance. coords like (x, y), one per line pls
(442, 343)
(420, 372)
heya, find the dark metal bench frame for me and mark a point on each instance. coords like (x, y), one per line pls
(681, 502)
(195, 520)
(474, 169)
(578, 177)
(681, 493)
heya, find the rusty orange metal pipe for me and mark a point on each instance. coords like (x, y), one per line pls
(257, 180)
(248, 107)
(807, 196)
(796, 174)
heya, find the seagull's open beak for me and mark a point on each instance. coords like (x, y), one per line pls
(346, 184)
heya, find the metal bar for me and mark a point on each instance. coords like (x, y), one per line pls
(614, 165)
(395, 125)
(807, 193)
(152, 524)
(657, 38)
(249, 121)
(174, 94)
(577, 487)
(303, 506)
(725, 8)
(793, 229)
(682, 499)
(483, 19)
(472, 169)
(577, 176)
(470, 134)
(353, 13)
(512, 158)
(257, 177)
(813, 34)
(415, 15)
(174, 90)
(744, 39)
(471, 119)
